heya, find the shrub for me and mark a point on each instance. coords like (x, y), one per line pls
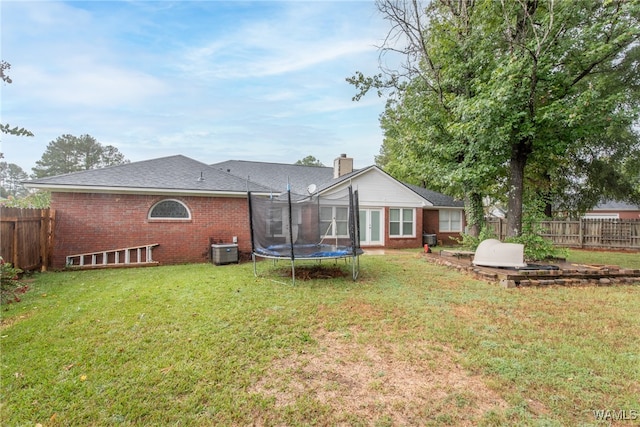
(471, 242)
(536, 247)
(10, 284)
(37, 200)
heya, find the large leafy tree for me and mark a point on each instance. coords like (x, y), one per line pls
(422, 147)
(559, 79)
(504, 96)
(69, 153)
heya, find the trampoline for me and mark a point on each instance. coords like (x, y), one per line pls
(295, 228)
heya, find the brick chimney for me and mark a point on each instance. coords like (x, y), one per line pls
(342, 165)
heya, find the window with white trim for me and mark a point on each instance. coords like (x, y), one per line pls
(275, 221)
(450, 220)
(169, 209)
(401, 222)
(334, 221)
(278, 220)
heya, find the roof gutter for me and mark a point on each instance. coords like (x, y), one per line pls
(60, 188)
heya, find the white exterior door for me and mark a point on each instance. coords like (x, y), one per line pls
(371, 227)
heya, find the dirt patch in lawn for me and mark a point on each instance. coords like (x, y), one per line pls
(8, 322)
(404, 384)
(316, 272)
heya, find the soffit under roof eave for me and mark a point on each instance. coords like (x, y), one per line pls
(134, 190)
(437, 208)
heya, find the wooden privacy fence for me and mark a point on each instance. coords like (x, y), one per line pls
(583, 233)
(26, 237)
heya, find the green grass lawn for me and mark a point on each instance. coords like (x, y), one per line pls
(409, 343)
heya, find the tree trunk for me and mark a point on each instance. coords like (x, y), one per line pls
(519, 155)
(548, 210)
(548, 207)
(475, 213)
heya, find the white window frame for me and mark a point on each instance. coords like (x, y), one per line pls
(273, 210)
(401, 223)
(332, 232)
(169, 218)
(444, 224)
(285, 225)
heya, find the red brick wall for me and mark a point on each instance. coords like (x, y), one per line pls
(621, 214)
(401, 242)
(629, 214)
(428, 222)
(431, 221)
(87, 222)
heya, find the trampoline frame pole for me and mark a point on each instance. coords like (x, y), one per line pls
(293, 267)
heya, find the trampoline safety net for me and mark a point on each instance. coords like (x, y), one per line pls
(288, 226)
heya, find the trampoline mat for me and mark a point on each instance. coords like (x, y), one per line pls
(305, 251)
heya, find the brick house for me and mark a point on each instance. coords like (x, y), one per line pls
(612, 209)
(183, 205)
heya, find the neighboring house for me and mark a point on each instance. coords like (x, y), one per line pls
(183, 205)
(614, 210)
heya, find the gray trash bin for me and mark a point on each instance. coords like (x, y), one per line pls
(429, 239)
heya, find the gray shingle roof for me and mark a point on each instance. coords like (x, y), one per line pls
(616, 205)
(437, 199)
(166, 173)
(180, 173)
(276, 175)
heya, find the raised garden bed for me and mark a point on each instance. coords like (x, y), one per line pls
(567, 274)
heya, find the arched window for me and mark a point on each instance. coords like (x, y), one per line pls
(169, 209)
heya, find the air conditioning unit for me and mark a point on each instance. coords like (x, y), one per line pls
(224, 254)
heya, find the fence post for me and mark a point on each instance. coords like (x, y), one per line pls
(51, 236)
(581, 232)
(16, 230)
(43, 239)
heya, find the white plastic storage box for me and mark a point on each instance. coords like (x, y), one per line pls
(224, 254)
(494, 253)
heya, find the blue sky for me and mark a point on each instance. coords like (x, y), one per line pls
(212, 80)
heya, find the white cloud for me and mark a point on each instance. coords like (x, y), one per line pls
(281, 43)
(92, 85)
(210, 80)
